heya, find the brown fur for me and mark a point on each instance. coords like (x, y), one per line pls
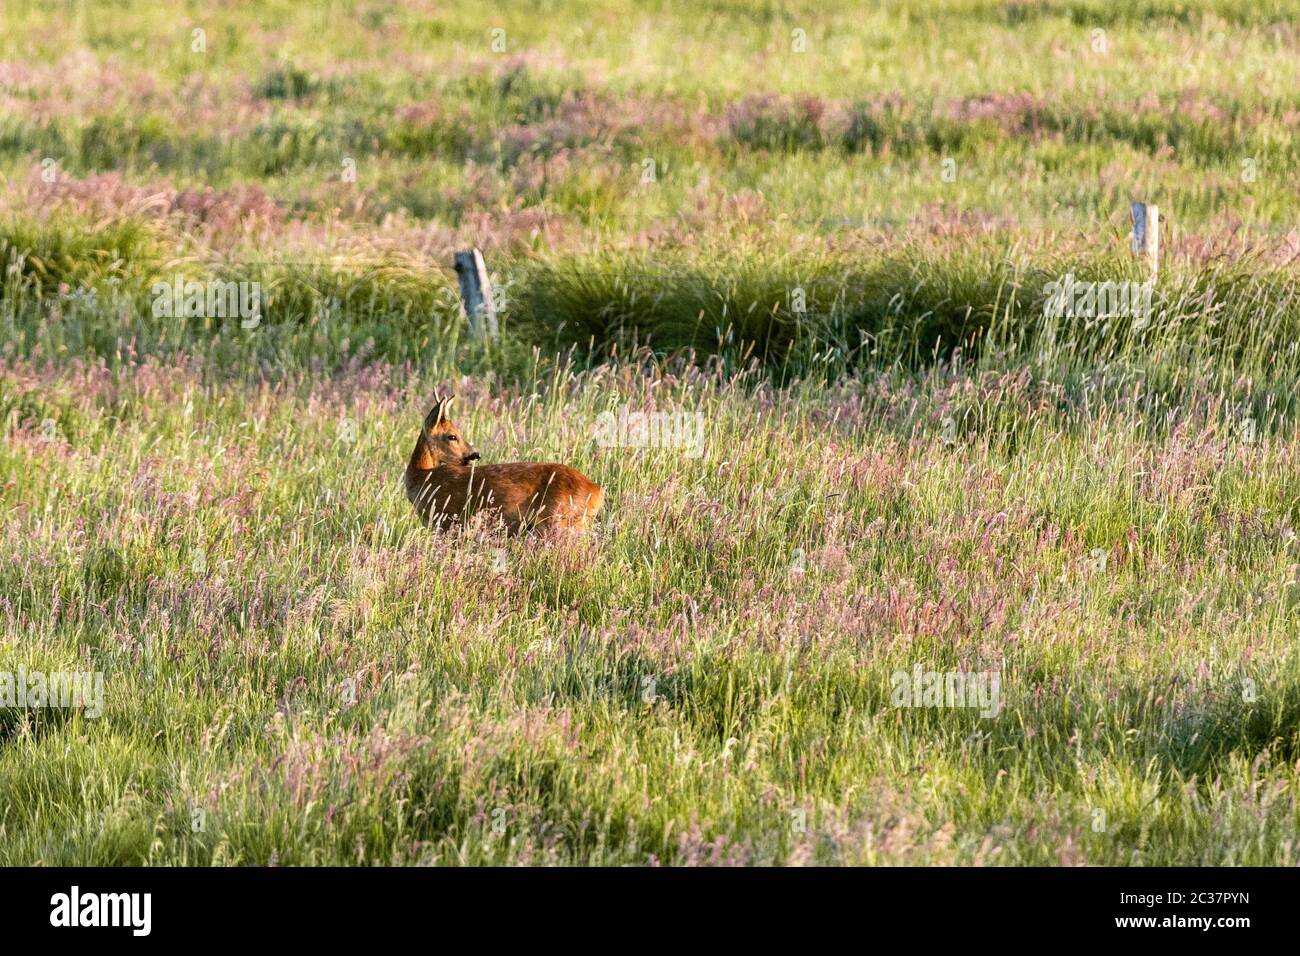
(446, 485)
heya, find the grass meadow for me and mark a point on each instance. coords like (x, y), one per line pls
(822, 233)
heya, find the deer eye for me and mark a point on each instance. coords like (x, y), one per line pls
(449, 437)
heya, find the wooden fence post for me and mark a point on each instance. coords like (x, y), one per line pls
(1146, 234)
(476, 293)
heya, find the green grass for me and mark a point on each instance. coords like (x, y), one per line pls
(231, 563)
(1054, 112)
(906, 461)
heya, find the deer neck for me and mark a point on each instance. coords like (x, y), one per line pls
(421, 459)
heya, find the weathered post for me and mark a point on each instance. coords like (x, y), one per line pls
(1146, 234)
(476, 293)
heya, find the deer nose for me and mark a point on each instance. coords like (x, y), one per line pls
(472, 456)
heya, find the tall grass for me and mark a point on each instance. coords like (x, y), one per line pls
(296, 672)
(840, 265)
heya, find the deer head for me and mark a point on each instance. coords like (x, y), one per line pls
(443, 441)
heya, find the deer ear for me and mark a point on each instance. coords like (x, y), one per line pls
(440, 413)
(437, 413)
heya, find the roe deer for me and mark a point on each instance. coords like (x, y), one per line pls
(446, 486)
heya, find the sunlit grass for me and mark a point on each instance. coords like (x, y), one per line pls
(670, 688)
(906, 460)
